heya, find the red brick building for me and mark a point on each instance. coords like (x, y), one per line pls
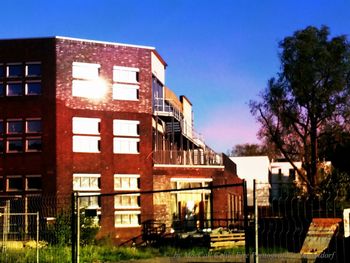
(97, 118)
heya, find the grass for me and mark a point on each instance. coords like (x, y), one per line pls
(109, 253)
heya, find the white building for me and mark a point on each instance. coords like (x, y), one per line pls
(258, 168)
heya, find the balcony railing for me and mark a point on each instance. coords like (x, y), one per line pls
(189, 157)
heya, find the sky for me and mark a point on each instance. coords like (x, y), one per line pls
(220, 54)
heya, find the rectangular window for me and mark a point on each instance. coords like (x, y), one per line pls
(14, 145)
(91, 202)
(33, 88)
(33, 144)
(14, 70)
(33, 182)
(14, 89)
(127, 201)
(87, 144)
(1, 127)
(33, 69)
(33, 126)
(86, 125)
(126, 182)
(2, 184)
(126, 145)
(125, 74)
(1, 145)
(14, 127)
(86, 182)
(2, 90)
(125, 92)
(86, 89)
(2, 71)
(125, 128)
(14, 183)
(85, 70)
(127, 218)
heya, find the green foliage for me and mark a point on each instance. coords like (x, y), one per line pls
(336, 187)
(308, 96)
(59, 233)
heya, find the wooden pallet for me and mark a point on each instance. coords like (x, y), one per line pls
(225, 241)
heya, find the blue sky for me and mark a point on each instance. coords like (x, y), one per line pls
(220, 53)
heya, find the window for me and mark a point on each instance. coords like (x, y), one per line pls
(126, 145)
(126, 182)
(14, 89)
(129, 144)
(2, 91)
(87, 182)
(125, 92)
(86, 82)
(87, 144)
(14, 127)
(33, 126)
(86, 126)
(127, 201)
(14, 70)
(125, 128)
(85, 70)
(33, 88)
(126, 82)
(33, 144)
(33, 69)
(1, 127)
(14, 183)
(127, 218)
(91, 202)
(1, 184)
(2, 69)
(125, 74)
(33, 182)
(14, 145)
(1, 145)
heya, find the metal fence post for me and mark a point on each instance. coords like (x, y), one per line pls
(73, 228)
(256, 224)
(246, 230)
(37, 237)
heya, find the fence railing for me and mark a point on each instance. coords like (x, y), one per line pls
(189, 157)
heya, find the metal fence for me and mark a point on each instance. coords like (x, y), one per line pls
(284, 225)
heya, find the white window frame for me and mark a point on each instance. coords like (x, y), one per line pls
(126, 127)
(8, 70)
(129, 176)
(86, 144)
(128, 74)
(13, 82)
(26, 87)
(26, 68)
(84, 70)
(120, 199)
(86, 176)
(126, 145)
(32, 119)
(129, 212)
(84, 125)
(13, 120)
(8, 183)
(90, 196)
(27, 144)
(128, 92)
(26, 182)
(13, 139)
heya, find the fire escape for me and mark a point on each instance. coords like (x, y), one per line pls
(175, 140)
